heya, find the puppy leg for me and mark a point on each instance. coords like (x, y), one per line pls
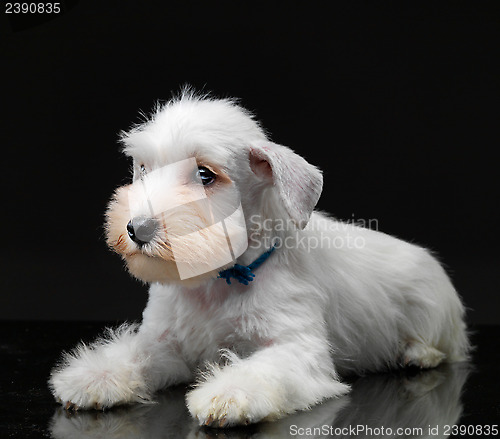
(122, 368)
(421, 355)
(271, 383)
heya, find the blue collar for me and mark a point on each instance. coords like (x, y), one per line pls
(243, 273)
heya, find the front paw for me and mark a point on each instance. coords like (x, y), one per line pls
(226, 401)
(219, 409)
(90, 379)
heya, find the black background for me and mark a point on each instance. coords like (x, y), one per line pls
(397, 102)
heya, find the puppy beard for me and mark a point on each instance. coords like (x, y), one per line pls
(191, 244)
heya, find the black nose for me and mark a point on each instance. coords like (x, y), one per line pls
(142, 229)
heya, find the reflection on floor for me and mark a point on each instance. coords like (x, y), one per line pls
(404, 399)
(402, 404)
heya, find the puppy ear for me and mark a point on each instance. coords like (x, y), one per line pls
(297, 182)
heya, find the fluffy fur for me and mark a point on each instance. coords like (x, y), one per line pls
(313, 314)
(395, 401)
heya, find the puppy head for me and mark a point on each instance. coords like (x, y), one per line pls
(181, 218)
(200, 166)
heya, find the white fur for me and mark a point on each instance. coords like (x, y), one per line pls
(390, 401)
(311, 315)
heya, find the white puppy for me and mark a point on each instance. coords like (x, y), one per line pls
(212, 197)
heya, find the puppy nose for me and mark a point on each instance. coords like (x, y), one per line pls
(142, 229)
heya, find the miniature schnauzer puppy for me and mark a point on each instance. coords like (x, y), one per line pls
(263, 302)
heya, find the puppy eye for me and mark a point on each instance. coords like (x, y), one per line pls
(143, 171)
(205, 175)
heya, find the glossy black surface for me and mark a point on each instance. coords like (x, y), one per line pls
(459, 394)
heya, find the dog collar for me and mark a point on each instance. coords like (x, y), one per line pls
(243, 273)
